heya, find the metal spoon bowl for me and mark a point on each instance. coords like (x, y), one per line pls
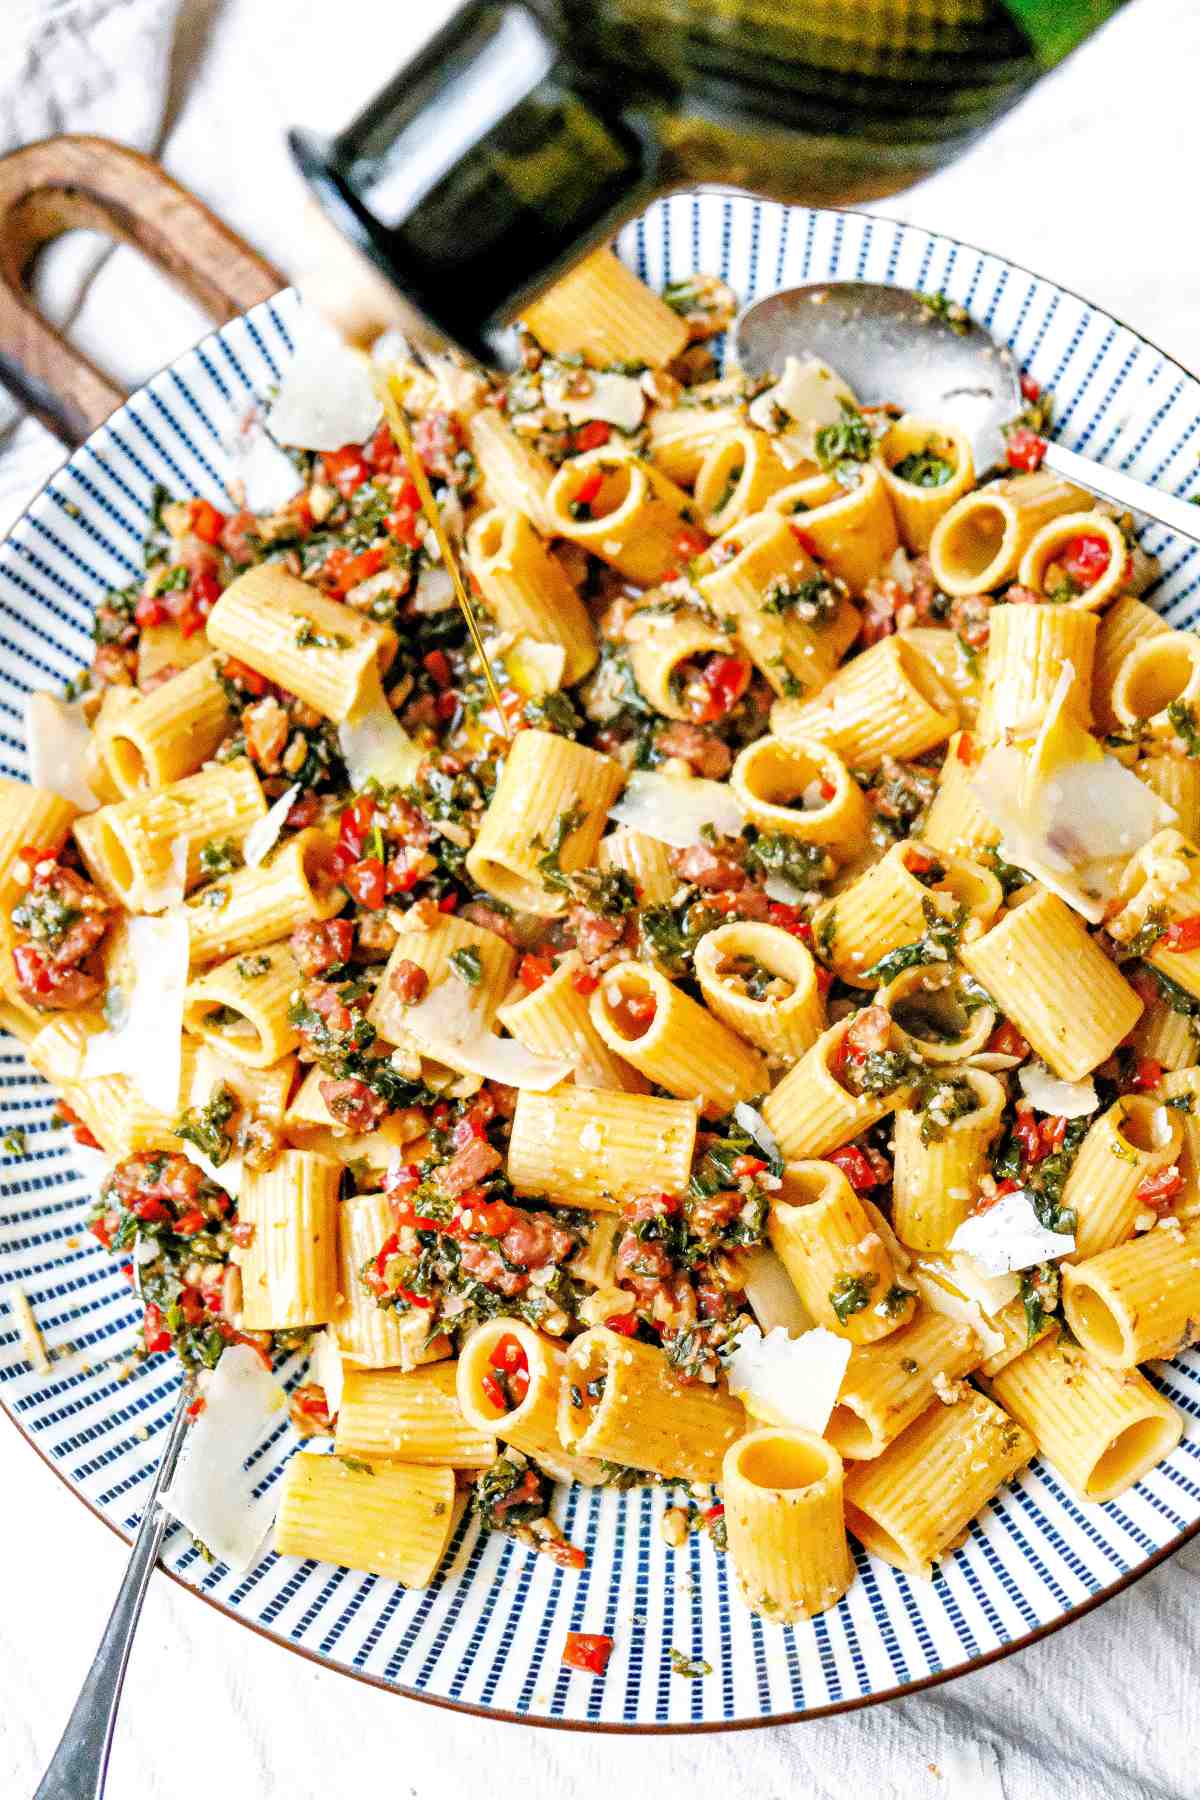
(891, 345)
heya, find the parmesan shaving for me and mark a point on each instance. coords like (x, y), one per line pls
(174, 883)
(269, 478)
(1071, 825)
(772, 1293)
(536, 668)
(325, 1365)
(615, 399)
(809, 392)
(1064, 1099)
(448, 1026)
(374, 744)
(147, 1045)
(756, 1128)
(959, 1288)
(327, 397)
(263, 835)
(1009, 1236)
(227, 1175)
(212, 1491)
(56, 740)
(786, 1380)
(676, 809)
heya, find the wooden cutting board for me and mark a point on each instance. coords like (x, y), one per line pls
(66, 183)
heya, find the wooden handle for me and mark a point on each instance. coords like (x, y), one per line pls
(68, 183)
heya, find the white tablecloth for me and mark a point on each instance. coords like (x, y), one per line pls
(1091, 181)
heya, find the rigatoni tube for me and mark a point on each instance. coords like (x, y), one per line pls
(803, 788)
(284, 628)
(544, 821)
(131, 846)
(369, 1335)
(838, 1262)
(1101, 1428)
(526, 589)
(941, 1155)
(254, 907)
(1028, 649)
(1160, 888)
(510, 1381)
(783, 1516)
(762, 982)
(554, 1019)
(1049, 977)
(672, 1040)
(290, 1265)
(621, 509)
(242, 1006)
(813, 1110)
(394, 1415)
(795, 620)
(898, 901)
(393, 1520)
(889, 701)
(622, 1401)
(589, 1147)
(1139, 1300)
(914, 1502)
(890, 1383)
(926, 466)
(168, 733)
(1131, 1141)
(978, 545)
(601, 311)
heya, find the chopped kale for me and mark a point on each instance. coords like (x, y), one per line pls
(467, 965)
(849, 442)
(553, 712)
(851, 1294)
(205, 1126)
(692, 1667)
(813, 602)
(802, 865)
(251, 967)
(549, 863)
(219, 857)
(924, 468)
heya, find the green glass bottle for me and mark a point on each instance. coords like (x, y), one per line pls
(526, 130)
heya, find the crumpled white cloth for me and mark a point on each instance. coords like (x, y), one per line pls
(97, 66)
(1105, 1710)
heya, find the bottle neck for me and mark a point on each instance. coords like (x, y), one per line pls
(485, 168)
(1055, 27)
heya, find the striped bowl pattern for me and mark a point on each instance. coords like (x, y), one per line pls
(490, 1632)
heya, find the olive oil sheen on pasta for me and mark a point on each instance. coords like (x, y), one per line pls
(526, 130)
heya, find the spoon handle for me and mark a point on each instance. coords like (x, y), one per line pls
(1125, 490)
(80, 1764)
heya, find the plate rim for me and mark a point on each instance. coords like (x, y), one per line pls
(624, 1727)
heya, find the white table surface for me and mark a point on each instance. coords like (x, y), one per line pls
(1092, 181)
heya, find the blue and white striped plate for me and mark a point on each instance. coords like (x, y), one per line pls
(490, 1633)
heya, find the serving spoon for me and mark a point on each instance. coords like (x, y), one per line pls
(890, 345)
(79, 1767)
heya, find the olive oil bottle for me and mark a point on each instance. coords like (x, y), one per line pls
(526, 130)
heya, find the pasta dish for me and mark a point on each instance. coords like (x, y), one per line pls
(737, 1034)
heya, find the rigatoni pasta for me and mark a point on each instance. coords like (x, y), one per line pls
(909, 1505)
(783, 1518)
(890, 961)
(1100, 1428)
(545, 820)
